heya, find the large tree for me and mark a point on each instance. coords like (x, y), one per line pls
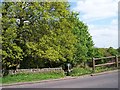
(43, 34)
(39, 29)
(57, 45)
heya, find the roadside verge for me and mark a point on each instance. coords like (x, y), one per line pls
(65, 78)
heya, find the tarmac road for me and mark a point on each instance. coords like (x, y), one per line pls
(109, 80)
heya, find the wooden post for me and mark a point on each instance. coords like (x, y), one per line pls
(93, 61)
(116, 58)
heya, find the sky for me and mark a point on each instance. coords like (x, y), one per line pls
(101, 16)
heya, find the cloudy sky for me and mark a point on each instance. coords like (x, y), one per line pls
(101, 16)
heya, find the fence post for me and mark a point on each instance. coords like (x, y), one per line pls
(116, 58)
(93, 61)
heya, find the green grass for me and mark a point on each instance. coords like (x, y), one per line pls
(102, 69)
(31, 77)
(78, 71)
(0, 80)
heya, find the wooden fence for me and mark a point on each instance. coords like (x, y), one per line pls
(116, 62)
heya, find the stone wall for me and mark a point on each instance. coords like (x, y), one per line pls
(35, 70)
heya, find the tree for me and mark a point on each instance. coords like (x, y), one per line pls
(118, 50)
(43, 34)
(57, 46)
(12, 54)
(33, 24)
(112, 51)
(84, 46)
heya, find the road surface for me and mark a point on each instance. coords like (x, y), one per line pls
(99, 81)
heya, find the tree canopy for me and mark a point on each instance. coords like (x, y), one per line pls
(43, 34)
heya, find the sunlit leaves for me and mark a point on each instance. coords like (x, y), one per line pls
(43, 32)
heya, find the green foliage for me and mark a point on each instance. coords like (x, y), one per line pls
(118, 50)
(58, 47)
(12, 54)
(104, 52)
(44, 34)
(41, 30)
(97, 53)
(112, 51)
(12, 57)
(84, 45)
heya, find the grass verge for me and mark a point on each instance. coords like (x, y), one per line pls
(28, 77)
(25, 77)
(78, 71)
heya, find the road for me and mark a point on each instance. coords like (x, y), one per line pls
(99, 81)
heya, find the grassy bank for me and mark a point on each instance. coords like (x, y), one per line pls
(31, 77)
(78, 71)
